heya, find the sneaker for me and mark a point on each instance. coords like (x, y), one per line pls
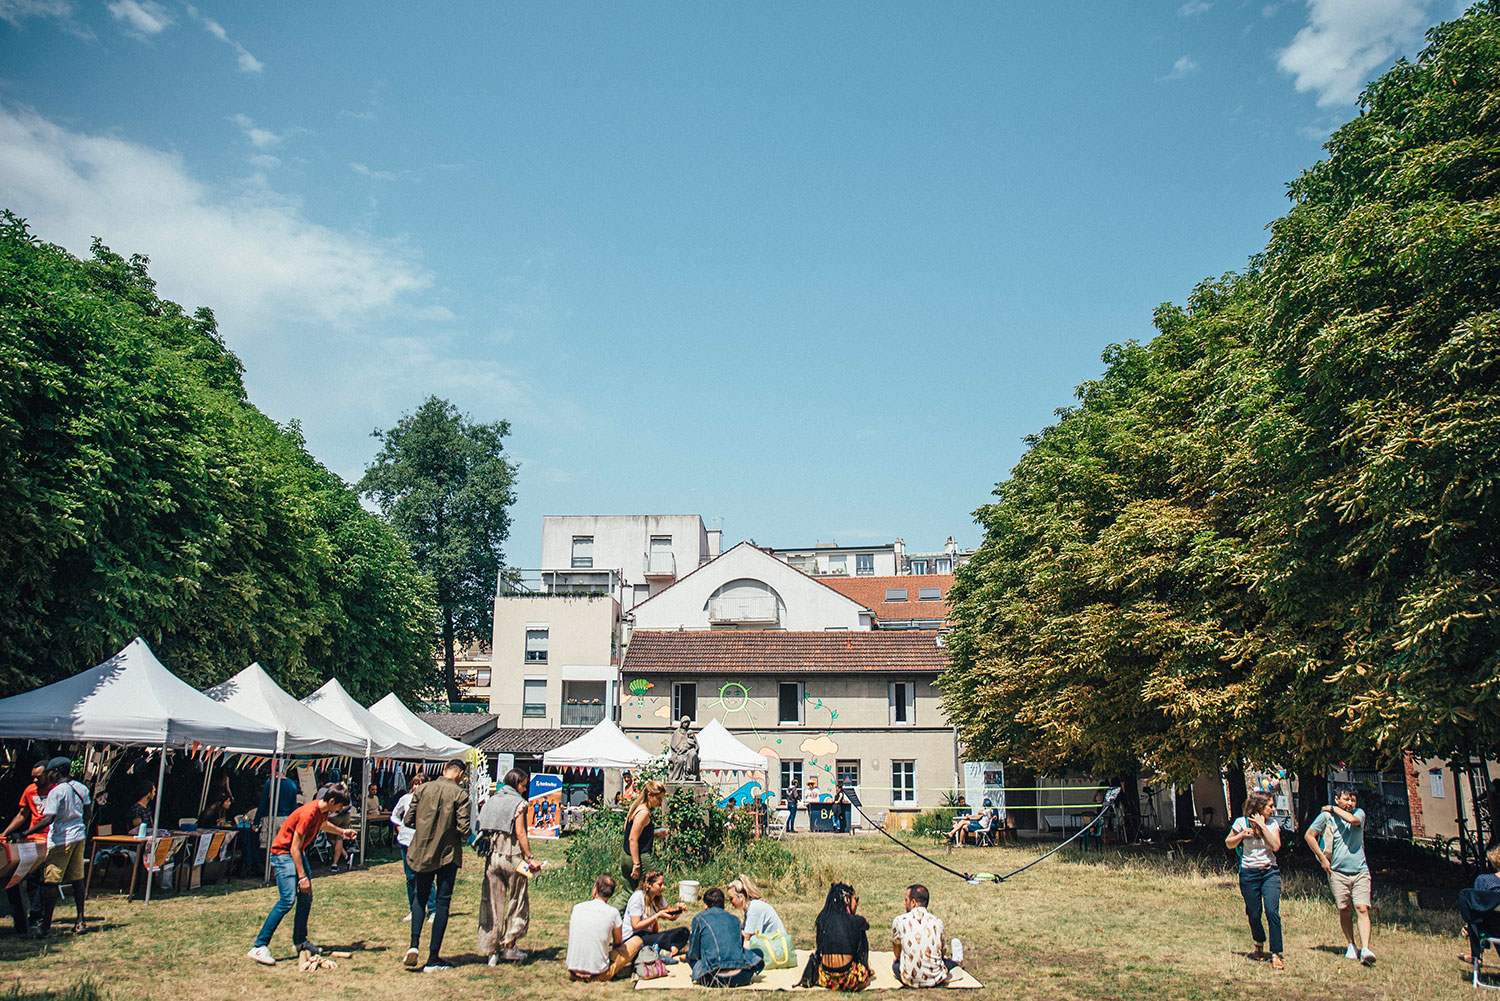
(333, 870)
(262, 955)
(437, 966)
(514, 955)
(407, 919)
(431, 918)
(410, 962)
(1366, 956)
(494, 959)
(1351, 952)
(669, 961)
(310, 949)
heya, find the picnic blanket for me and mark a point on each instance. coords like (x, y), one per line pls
(680, 977)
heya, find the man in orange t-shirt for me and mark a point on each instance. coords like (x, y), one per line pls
(289, 863)
(25, 897)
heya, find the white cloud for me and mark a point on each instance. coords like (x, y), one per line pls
(358, 116)
(1345, 43)
(141, 17)
(264, 161)
(1185, 66)
(17, 12)
(247, 63)
(375, 175)
(259, 138)
(1194, 7)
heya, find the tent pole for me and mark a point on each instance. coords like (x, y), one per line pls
(161, 778)
(364, 812)
(270, 822)
(208, 773)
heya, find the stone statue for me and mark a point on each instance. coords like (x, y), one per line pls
(682, 754)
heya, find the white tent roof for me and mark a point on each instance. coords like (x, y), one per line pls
(255, 694)
(604, 746)
(393, 711)
(131, 699)
(385, 740)
(718, 750)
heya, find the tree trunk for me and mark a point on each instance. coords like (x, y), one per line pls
(1312, 796)
(1130, 802)
(1234, 778)
(1187, 819)
(450, 679)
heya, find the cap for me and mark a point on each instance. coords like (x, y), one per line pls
(988, 803)
(60, 764)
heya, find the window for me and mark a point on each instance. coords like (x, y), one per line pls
(864, 564)
(482, 677)
(583, 552)
(536, 646)
(944, 565)
(929, 594)
(791, 774)
(661, 543)
(789, 702)
(534, 702)
(919, 566)
(847, 772)
(903, 697)
(1435, 783)
(838, 564)
(903, 783)
(895, 594)
(684, 701)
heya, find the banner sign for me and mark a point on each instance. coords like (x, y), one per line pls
(546, 807)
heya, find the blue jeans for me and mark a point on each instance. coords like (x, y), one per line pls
(411, 888)
(737, 979)
(1261, 888)
(791, 817)
(285, 871)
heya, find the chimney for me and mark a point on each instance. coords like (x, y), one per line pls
(950, 547)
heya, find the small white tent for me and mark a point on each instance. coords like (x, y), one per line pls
(719, 751)
(255, 694)
(385, 741)
(603, 746)
(393, 711)
(131, 699)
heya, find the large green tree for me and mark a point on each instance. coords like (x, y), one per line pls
(141, 493)
(445, 484)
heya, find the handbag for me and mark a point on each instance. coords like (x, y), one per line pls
(481, 843)
(648, 964)
(777, 947)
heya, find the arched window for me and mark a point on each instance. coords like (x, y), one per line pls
(747, 602)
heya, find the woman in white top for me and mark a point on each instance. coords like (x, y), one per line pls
(644, 911)
(1258, 840)
(759, 916)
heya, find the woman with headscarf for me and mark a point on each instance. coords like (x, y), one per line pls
(841, 955)
(504, 900)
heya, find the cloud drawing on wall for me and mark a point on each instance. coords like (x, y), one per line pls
(769, 752)
(819, 746)
(663, 711)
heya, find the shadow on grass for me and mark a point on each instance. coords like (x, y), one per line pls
(86, 989)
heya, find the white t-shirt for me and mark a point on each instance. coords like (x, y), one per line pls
(65, 803)
(590, 935)
(762, 917)
(635, 907)
(398, 815)
(1254, 852)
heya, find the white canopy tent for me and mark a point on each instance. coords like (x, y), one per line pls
(380, 739)
(603, 746)
(132, 699)
(719, 751)
(299, 730)
(393, 711)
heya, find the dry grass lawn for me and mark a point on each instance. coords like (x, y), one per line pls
(1077, 927)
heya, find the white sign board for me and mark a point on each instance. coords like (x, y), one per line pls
(985, 780)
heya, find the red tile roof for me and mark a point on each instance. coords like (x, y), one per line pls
(870, 592)
(773, 651)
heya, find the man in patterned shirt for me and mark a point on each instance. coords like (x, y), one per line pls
(917, 942)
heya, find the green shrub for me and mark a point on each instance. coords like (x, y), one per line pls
(934, 823)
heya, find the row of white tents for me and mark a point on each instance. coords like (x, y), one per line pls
(132, 700)
(605, 746)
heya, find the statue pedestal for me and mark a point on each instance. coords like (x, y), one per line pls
(701, 791)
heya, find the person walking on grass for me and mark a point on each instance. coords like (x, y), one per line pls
(403, 841)
(1348, 872)
(1258, 840)
(289, 866)
(639, 839)
(439, 817)
(504, 896)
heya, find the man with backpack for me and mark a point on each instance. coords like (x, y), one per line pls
(64, 810)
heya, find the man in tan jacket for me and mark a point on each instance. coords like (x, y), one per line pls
(439, 817)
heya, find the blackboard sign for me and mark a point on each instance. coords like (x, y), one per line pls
(828, 816)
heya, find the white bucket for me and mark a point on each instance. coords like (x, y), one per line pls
(687, 890)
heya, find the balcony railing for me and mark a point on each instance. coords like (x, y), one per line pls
(559, 583)
(743, 608)
(661, 564)
(586, 715)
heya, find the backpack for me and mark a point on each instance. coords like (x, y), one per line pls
(648, 964)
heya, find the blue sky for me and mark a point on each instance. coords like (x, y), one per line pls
(813, 269)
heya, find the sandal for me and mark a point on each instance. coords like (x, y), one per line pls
(1276, 962)
(79, 927)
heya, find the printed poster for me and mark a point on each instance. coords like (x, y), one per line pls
(985, 780)
(545, 820)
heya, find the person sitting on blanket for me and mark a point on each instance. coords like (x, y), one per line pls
(917, 941)
(760, 917)
(841, 957)
(716, 950)
(595, 951)
(646, 909)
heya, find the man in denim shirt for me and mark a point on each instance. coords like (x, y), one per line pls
(716, 948)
